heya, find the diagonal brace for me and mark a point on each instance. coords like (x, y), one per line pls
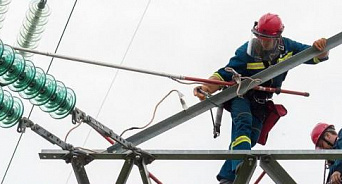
(276, 172)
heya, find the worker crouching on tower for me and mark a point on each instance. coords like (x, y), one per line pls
(266, 47)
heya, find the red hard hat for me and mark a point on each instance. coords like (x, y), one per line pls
(269, 25)
(318, 130)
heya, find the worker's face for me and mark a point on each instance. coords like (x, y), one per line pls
(322, 144)
(263, 47)
(268, 43)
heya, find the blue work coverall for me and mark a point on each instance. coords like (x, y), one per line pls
(337, 164)
(247, 116)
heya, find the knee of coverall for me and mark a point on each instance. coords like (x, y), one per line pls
(256, 129)
(241, 117)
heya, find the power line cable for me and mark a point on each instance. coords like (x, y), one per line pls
(116, 73)
(9, 164)
(31, 110)
(123, 59)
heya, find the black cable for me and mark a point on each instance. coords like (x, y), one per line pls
(19, 140)
(115, 75)
(61, 37)
(9, 164)
(123, 59)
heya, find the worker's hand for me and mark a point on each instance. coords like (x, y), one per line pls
(320, 45)
(198, 91)
(335, 178)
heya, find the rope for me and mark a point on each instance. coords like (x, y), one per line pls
(237, 78)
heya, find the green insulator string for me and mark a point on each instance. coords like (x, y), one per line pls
(25, 78)
(45, 93)
(35, 86)
(56, 100)
(32, 83)
(11, 109)
(14, 71)
(4, 4)
(33, 26)
(6, 60)
(67, 105)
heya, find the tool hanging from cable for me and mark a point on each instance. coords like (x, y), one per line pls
(33, 26)
(219, 113)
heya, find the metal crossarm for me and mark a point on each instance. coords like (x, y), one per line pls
(268, 160)
(81, 116)
(134, 156)
(228, 94)
(27, 123)
(77, 158)
(208, 154)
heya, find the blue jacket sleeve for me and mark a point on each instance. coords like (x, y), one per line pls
(297, 47)
(238, 62)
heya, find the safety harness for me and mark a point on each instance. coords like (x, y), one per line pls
(261, 106)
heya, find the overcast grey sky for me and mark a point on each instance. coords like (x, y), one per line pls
(185, 37)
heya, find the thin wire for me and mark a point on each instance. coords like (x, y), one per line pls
(15, 150)
(123, 59)
(153, 115)
(62, 35)
(60, 39)
(116, 73)
(9, 164)
(73, 128)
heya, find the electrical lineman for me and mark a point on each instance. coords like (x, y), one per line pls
(324, 136)
(267, 47)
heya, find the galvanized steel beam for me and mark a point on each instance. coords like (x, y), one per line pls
(276, 172)
(208, 154)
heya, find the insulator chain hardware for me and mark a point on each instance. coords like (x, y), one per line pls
(32, 83)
